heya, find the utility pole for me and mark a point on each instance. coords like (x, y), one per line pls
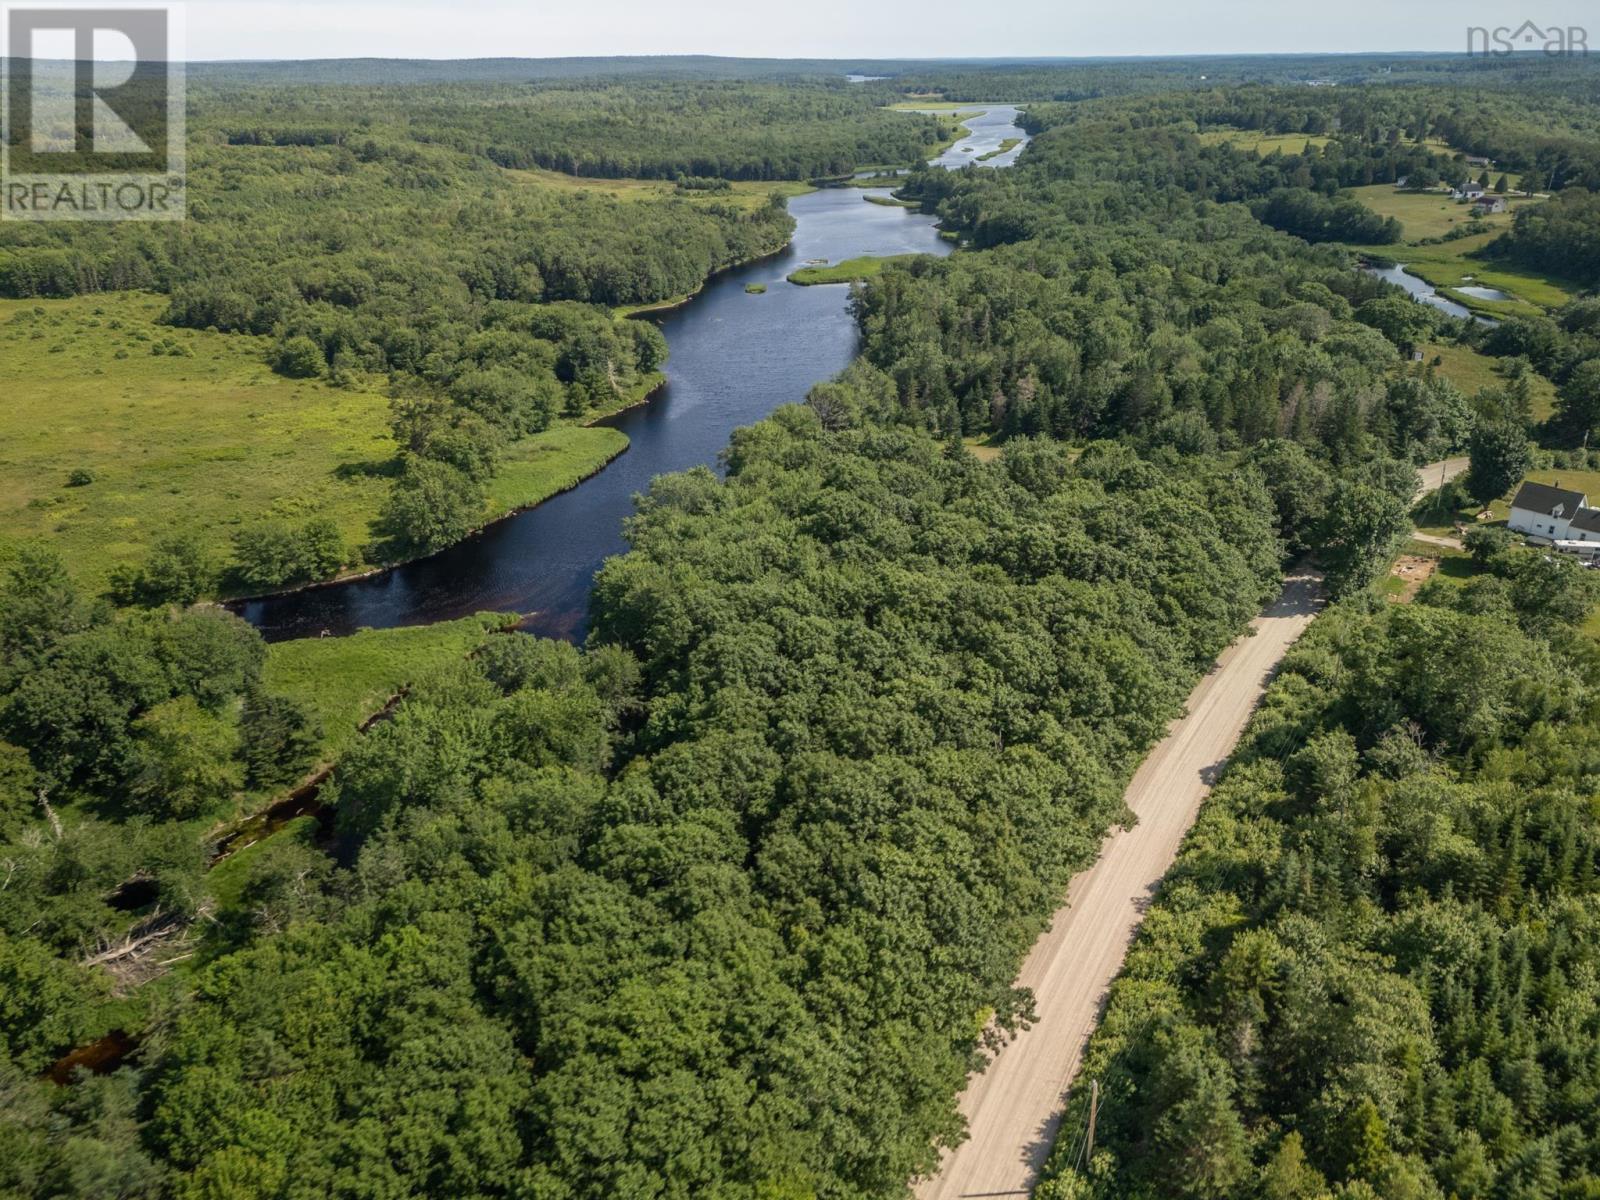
(1094, 1108)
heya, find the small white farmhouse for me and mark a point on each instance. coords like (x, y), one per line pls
(1549, 512)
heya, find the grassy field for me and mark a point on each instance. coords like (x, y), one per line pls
(206, 438)
(1262, 142)
(1430, 214)
(538, 467)
(962, 112)
(1450, 265)
(848, 271)
(745, 193)
(346, 680)
(1471, 372)
(1587, 482)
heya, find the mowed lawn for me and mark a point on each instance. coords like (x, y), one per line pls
(208, 439)
(1587, 482)
(1430, 214)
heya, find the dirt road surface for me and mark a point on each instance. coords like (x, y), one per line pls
(1013, 1108)
(1435, 475)
(1434, 539)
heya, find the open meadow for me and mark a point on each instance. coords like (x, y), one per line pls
(118, 430)
(1453, 264)
(1261, 141)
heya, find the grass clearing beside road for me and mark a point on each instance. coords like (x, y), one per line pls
(1472, 371)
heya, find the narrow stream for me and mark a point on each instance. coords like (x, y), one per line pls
(734, 358)
(1421, 290)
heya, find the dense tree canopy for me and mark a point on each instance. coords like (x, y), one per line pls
(721, 904)
(1371, 972)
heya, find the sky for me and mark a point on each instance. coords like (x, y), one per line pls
(258, 29)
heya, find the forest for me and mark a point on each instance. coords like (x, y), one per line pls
(1372, 970)
(651, 875)
(725, 901)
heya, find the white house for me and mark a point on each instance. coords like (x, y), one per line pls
(1585, 526)
(1554, 513)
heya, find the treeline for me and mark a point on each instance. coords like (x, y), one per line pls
(722, 130)
(733, 130)
(120, 738)
(1100, 321)
(1318, 219)
(708, 908)
(1371, 972)
(1286, 76)
(1540, 119)
(1560, 237)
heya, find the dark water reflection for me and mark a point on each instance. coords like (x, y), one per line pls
(735, 357)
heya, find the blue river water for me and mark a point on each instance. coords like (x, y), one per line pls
(735, 356)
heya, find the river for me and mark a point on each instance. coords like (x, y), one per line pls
(734, 358)
(1421, 290)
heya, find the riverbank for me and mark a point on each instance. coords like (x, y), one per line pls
(1450, 266)
(672, 304)
(734, 357)
(535, 469)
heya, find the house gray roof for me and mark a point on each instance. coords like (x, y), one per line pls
(1587, 518)
(1541, 498)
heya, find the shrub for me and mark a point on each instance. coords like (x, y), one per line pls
(432, 505)
(1486, 543)
(278, 738)
(273, 554)
(298, 358)
(178, 571)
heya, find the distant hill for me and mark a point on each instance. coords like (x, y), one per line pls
(514, 70)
